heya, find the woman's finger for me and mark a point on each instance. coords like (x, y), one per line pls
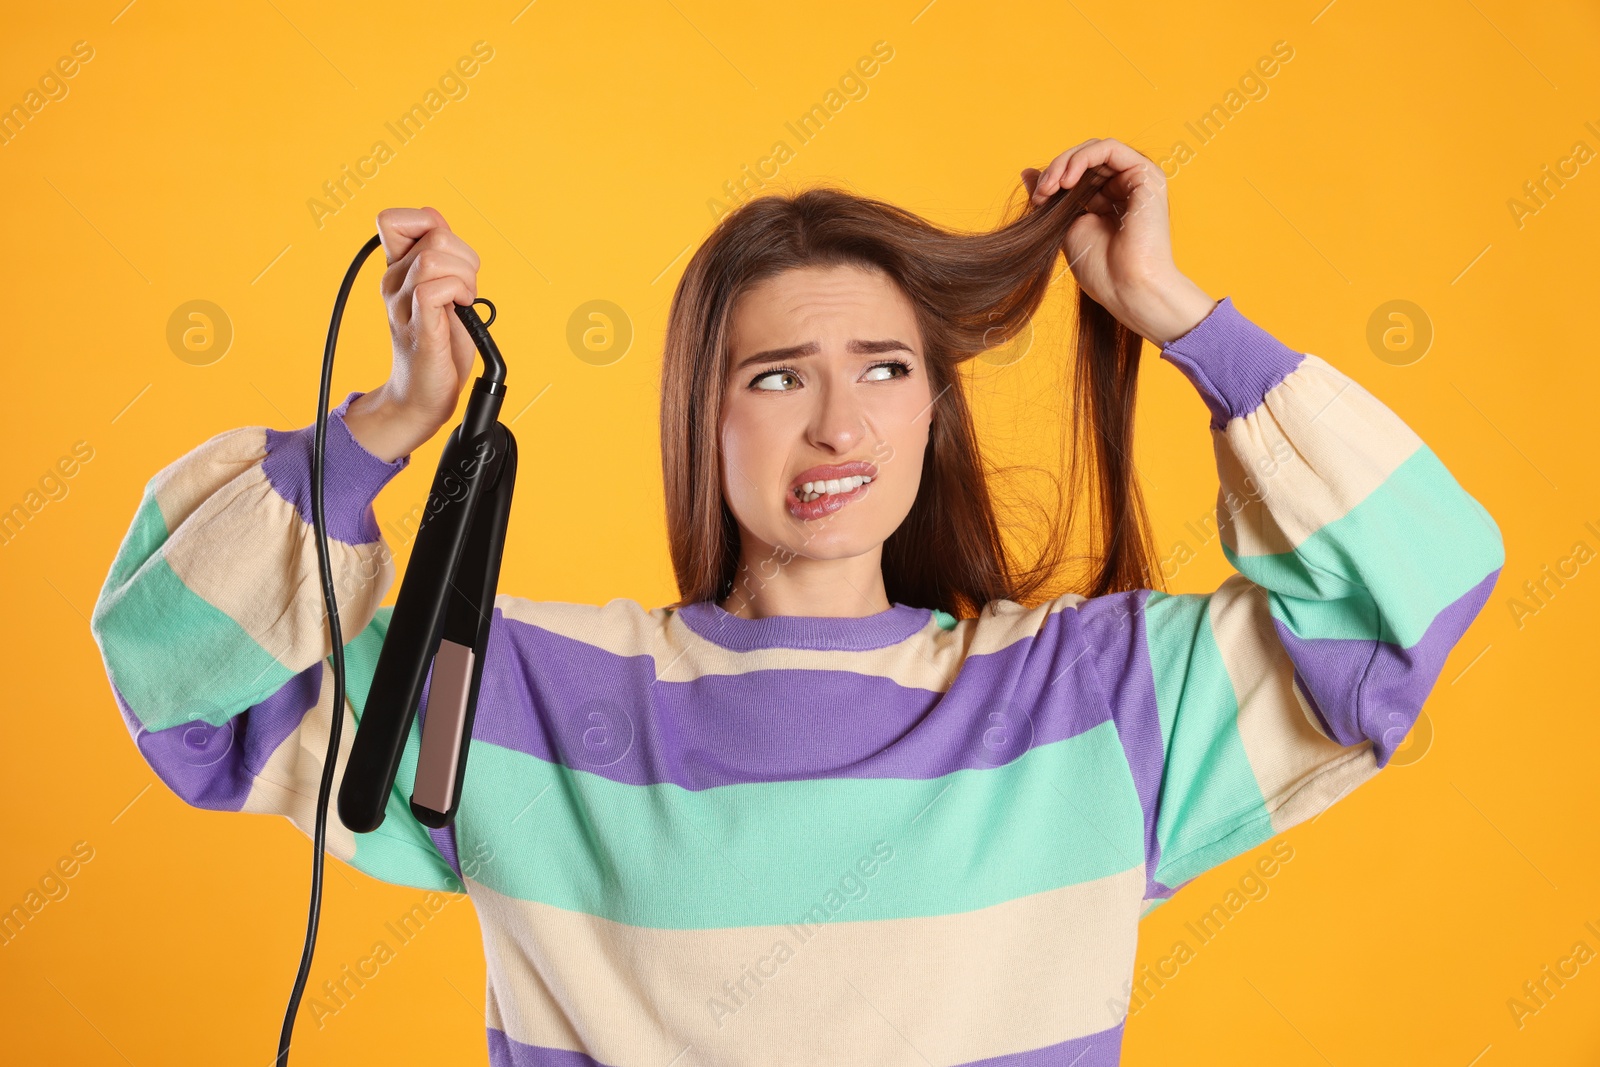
(399, 228)
(1120, 169)
(1047, 182)
(448, 241)
(1111, 152)
(433, 263)
(1101, 152)
(1059, 165)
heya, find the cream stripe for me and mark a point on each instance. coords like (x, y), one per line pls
(1315, 448)
(287, 783)
(1041, 969)
(928, 660)
(182, 485)
(259, 565)
(1299, 769)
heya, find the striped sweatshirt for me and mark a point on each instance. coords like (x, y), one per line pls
(900, 840)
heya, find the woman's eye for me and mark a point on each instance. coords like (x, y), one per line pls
(873, 374)
(781, 377)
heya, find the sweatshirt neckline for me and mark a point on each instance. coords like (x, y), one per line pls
(817, 632)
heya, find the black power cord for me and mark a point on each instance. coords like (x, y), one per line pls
(445, 607)
(330, 602)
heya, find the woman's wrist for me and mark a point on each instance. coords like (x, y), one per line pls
(383, 428)
(1167, 307)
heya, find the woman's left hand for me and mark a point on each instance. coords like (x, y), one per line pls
(1120, 249)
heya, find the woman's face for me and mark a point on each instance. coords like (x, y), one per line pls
(826, 383)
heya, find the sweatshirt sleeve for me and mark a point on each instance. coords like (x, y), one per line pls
(212, 627)
(1360, 563)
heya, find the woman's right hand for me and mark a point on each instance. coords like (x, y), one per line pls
(431, 270)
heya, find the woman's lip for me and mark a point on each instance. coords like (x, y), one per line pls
(832, 471)
(827, 504)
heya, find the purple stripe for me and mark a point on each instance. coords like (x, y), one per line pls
(352, 479)
(601, 712)
(444, 839)
(827, 634)
(1364, 692)
(1114, 627)
(213, 766)
(1103, 1049)
(1231, 361)
(509, 1052)
(1157, 889)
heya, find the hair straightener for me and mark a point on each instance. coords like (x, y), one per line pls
(440, 622)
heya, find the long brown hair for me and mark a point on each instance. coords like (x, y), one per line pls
(972, 292)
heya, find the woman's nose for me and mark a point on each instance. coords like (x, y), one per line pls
(839, 422)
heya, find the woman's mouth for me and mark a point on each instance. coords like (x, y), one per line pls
(814, 499)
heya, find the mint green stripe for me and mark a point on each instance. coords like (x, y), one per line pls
(1245, 832)
(146, 533)
(765, 853)
(146, 611)
(1208, 788)
(1320, 590)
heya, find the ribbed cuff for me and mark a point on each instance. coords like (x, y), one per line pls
(1232, 362)
(352, 477)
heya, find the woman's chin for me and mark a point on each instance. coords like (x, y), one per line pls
(838, 539)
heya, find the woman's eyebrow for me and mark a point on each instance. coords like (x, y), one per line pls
(811, 348)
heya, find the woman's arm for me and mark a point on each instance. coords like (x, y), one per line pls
(213, 631)
(212, 623)
(1361, 562)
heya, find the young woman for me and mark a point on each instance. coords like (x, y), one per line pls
(863, 795)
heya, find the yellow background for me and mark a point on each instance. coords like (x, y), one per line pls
(1378, 166)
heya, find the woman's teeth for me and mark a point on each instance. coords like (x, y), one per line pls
(814, 490)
